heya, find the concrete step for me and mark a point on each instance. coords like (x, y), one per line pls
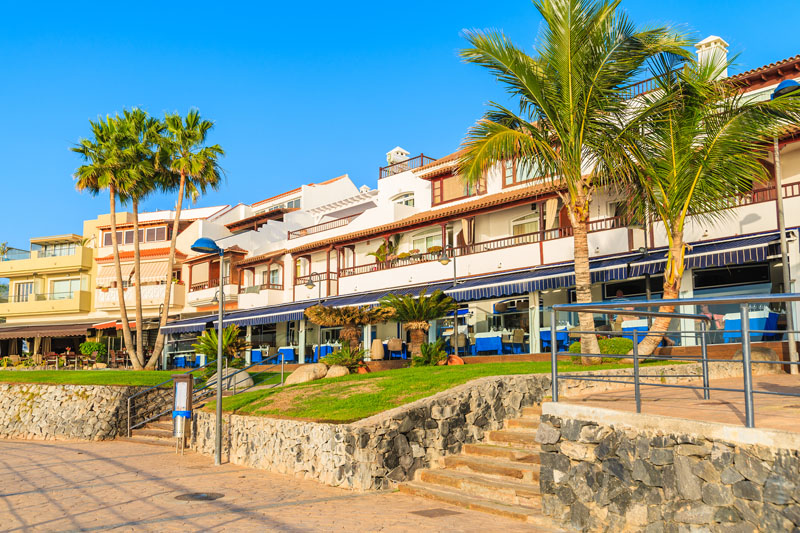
(516, 437)
(522, 455)
(525, 494)
(508, 470)
(523, 423)
(459, 498)
(147, 431)
(149, 440)
(165, 425)
(533, 411)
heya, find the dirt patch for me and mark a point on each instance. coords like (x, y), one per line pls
(286, 399)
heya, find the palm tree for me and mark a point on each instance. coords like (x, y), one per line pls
(571, 108)
(706, 141)
(191, 167)
(349, 318)
(232, 343)
(143, 135)
(3, 250)
(416, 312)
(106, 162)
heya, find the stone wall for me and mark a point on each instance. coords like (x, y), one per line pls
(89, 412)
(605, 470)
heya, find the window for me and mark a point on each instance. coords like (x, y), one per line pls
(526, 224)
(54, 250)
(291, 204)
(129, 236)
(730, 276)
(302, 266)
(406, 198)
(425, 242)
(64, 289)
(450, 188)
(145, 235)
(274, 275)
(22, 290)
(515, 173)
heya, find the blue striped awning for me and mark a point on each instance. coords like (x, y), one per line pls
(189, 325)
(733, 251)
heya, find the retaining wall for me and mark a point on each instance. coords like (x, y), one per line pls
(605, 470)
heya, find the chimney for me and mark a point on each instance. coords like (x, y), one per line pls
(396, 155)
(713, 50)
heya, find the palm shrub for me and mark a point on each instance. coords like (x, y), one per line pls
(346, 357)
(349, 318)
(706, 142)
(416, 312)
(431, 354)
(232, 345)
(572, 108)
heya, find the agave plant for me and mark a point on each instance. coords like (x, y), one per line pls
(416, 312)
(349, 318)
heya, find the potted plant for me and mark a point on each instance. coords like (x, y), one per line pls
(434, 249)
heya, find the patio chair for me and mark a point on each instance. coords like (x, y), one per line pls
(517, 340)
(463, 345)
(396, 346)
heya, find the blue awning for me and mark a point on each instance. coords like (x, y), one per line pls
(733, 251)
(189, 325)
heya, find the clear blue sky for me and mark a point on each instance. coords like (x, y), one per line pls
(300, 91)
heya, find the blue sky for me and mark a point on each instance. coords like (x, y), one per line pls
(300, 91)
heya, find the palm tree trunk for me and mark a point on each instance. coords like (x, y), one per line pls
(123, 311)
(139, 363)
(672, 287)
(417, 340)
(170, 264)
(351, 335)
(583, 281)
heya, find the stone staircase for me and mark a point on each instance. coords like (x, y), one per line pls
(499, 476)
(157, 433)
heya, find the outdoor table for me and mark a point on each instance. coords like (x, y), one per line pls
(322, 351)
(562, 338)
(179, 362)
(489, 341)
(255, 356)
(759, 320)
(288, 353)
(635, 325)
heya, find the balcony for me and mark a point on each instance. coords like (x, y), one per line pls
(402, 166)
(47, 304)
(152, 297)
(260, 295)
(204, 292)
(325, 226)
(38, 261)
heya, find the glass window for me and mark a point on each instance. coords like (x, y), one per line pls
(54, 250)
(526, 224)
(129, 236)
(291, 204)
(407, 198)
(22, 290)
(107, 238)
(424, 242)
(275, 275)
(64, 289)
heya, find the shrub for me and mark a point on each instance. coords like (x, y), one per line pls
(612, 346)
(430, 354)
(88, 347)
(346, 357)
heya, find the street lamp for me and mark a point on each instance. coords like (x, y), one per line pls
(445, 260)
(309, 286)
(785, 87)
(205, 245)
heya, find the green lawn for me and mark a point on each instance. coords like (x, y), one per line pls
(358, 396)
(144, 378)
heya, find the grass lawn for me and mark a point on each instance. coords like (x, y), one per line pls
(358, 396)
(146, 378)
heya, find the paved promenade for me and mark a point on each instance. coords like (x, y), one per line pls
(727, 407)
(122, 486)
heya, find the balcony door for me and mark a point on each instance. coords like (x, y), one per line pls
(64, 289)
(22, 291)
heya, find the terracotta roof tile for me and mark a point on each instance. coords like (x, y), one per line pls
(480, 203)
(792, 63)
(298, 189)
(148, 253)
(261, 258)
(441, 166)
(273, 214)
(236, 249)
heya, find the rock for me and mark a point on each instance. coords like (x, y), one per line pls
(747, 490)
(232, 378)
(336, 371)
(646, 473)
(758, 353)
(547, 434)
(579, 452)
(778, 490)
(750, 467)
(716, 494)
(98, 366)
(694, 513)
(730, 475)
(307, 373)
(688, 484)
(661, 456)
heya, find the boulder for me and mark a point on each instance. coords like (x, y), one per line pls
(231, 380)
(99, 365)
(337, 371)
(307, 373)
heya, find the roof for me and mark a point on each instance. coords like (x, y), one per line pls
(235, 249)
(784, 67)
(298, 189)
(167, 216)
(69, 237)
(272, 214)
(441, 166)
(261, 258)
(144, 253)
(480, 203)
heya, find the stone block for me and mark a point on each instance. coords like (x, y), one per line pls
(646, 473)
(716, 494)
(730, 475)
(778, 490)
(661, 456)
(577, 451)
(747, 490)
(694, 513)
(751, 467)
(687, 483)
(547, 434)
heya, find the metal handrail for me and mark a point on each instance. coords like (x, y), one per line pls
(609, 308)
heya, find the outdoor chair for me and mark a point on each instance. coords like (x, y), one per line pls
(517, 340)
(463, 345)
(473, 347)
(396, 346)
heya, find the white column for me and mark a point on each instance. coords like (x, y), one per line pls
(794, 268)
(432, 331)
(686, 324)
(301, 350)
(533, 321)
(248, 356)
(366, 334)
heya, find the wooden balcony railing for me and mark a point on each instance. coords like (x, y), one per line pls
(639, 88)
(322, 276)
(402, 166)
(262, 287)
(325, 226)
(210, 284)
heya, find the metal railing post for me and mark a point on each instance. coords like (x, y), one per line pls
(283, 356)
(636, 391)
(747, 372)
(704, 355)
(129, 417)
(553, 355)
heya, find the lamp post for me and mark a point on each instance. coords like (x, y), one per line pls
(785, 87)
(445, 260)
(309, 286)
(205, 245)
